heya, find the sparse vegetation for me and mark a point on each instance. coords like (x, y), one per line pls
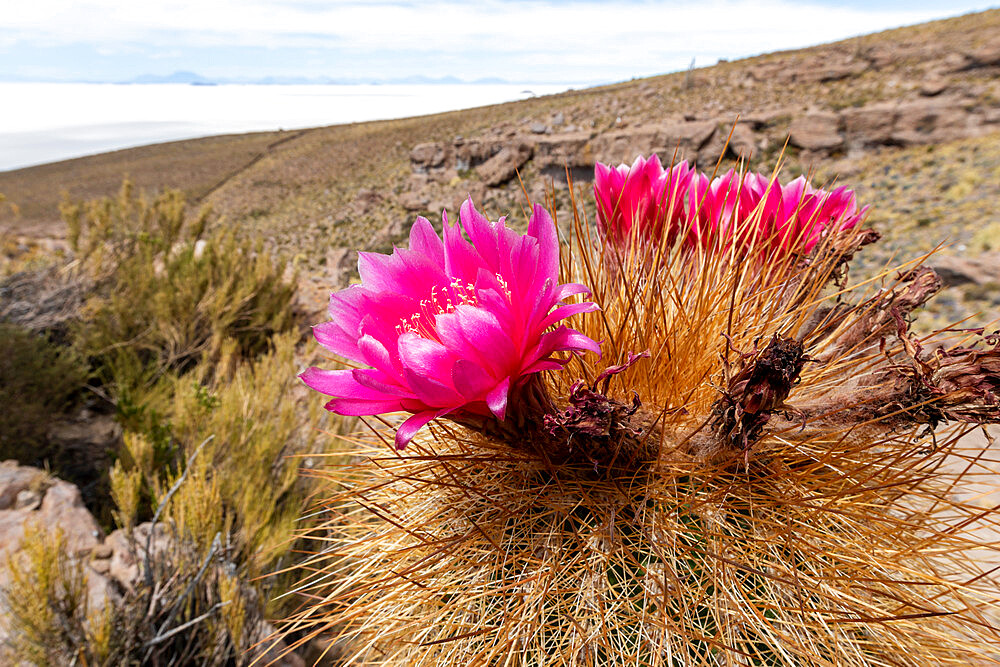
(38, 381)
(191, 336)
(166, 293)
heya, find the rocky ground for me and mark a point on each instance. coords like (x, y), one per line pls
(110, 563)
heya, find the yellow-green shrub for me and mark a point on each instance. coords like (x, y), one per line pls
(247, 428)
(168, 295)
(46, 598)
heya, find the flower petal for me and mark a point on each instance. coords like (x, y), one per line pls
(409, 428)
(496, 400)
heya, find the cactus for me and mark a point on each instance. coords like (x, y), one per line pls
(760, 469)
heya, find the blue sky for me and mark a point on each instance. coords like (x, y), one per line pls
(518, 40)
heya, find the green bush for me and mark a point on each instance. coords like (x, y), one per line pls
(167, 294)
(38, 381)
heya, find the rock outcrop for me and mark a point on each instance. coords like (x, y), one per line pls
(30, 496)
(920, 119)
(112, 566)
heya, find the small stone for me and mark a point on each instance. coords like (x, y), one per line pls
(102, 551)
(933, 87)
(27, 500)
(539, 128)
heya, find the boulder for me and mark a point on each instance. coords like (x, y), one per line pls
(825, 71)
(684, 137)
(934, 120)
(987, 55)
(430, 155)
(501, 167)
(816, 131)
(565, 148)
(956, 270)
(728, 141)
(626, 144)
(54, 505)
(871, 125)
(474, 152)
(15, 479)
(46, 299)
(933, 86)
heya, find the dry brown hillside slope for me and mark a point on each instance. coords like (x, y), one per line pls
(911, 117)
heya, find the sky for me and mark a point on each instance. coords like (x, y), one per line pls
(555, 41)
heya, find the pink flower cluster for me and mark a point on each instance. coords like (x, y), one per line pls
(450, 326)
(645, 202)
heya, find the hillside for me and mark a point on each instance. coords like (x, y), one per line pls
(910, 116)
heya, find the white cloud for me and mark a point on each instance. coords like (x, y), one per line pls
(624, 36)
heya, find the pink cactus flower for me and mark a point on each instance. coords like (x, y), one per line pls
(800, 215)
(643, 200)
(681, 201)
(449, 327)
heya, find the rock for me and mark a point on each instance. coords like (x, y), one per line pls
(539, 128)
(987, 55)
(474, 152)
(816, 131)
(558, 119)
(501, 167)
(742, 142)
(934, 120)
(43, 300)
(880, 56)
(62, 506)
(366, 201)
(123, 566)
(60, 509)
(27, 500)
(389, 234)
(15, 478)
(339, 263)
(414, 200)
(956, 270)
(689, 136)
(101, 566)
(565, 148)
(430, 155)
(826, 71)
(128, 553)
(84, 443)
(686, 137)
(761, 120)
(871, 125)
(933, 86)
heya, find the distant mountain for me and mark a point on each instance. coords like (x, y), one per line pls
(198, 80)
(176, 77)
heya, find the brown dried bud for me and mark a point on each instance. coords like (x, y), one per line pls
(596, 428)
(754, 393)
